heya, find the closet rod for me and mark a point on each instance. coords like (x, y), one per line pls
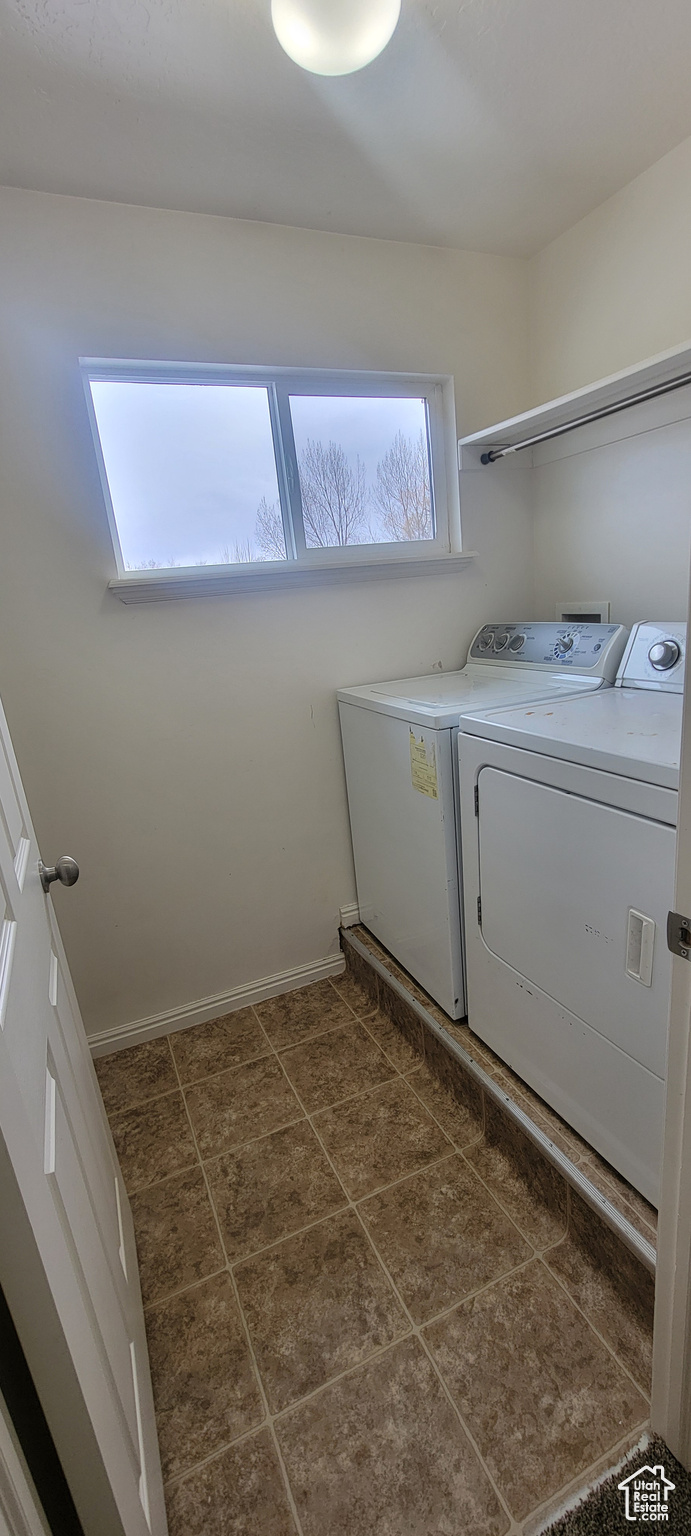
(493, 454)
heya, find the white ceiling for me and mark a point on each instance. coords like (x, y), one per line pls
(486, 124)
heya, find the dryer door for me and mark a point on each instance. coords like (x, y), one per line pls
(564, 885)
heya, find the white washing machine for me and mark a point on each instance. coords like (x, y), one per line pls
(569, 813)
(399, 743)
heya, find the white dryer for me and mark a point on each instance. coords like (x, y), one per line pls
(399, 744)
(568, 813)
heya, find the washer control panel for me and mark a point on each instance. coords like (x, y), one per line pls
(596, 648)
(654, 657)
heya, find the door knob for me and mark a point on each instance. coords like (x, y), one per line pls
(66, 871)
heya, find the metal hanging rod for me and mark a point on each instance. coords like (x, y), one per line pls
(493, 454)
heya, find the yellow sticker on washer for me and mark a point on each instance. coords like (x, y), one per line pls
(423, 766)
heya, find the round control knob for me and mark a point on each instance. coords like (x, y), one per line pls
(664, 654)
(501, 641)
(563, 645)
(485, 640)
(517, 643)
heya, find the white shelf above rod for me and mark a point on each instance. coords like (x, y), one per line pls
(633, 386)
(492, 454)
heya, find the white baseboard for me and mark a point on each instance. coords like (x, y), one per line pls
(350, 915)
(122, 1035)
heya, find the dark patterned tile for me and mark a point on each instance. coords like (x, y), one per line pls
(241, 1103)
(358, 991)
(612, 1287)
(153, 1140)
(315, 1305)
(403, 1016)
(399, 1047)
(177, 1238)
(335, 1066)
(457, 1084)
(141, 1072)
(239, 1493)
(205, 1389)
(460, 1124)
(528, 1187)
(441, 1236)
(540, 1393)
(223, 1042)
(269, 1188)
(381, 1453)
(622, 1195)
(309, 1011)
(380, 1137)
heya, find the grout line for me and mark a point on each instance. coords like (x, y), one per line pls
(389, 1056)
(585, 1482)
(140, 1189)
(512, 1216)
(268, 1418)
(319, 1109)
(194, 1082)
(247, 1434)
(457, 1143)
(609, 1347)
(153, 1098)
(348, 1370)
(181, 1290)
(239, 1146)
(342, 999)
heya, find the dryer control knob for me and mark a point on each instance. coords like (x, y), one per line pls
(517, 643)
(563, 645)
(501, 641)
(664, 654)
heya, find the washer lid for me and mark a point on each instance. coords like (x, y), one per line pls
(625, 731)
(439, 699)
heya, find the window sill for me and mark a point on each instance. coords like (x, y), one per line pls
(143, 587)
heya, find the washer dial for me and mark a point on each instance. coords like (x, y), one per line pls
(664, 654)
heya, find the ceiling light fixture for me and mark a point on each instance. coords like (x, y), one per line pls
(334, 37)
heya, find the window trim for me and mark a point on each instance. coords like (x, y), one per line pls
(320, 564)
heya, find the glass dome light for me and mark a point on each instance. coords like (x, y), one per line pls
(334, 37)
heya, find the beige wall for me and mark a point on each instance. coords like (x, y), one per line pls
(616, 287)
(187, 753)
(612, 514)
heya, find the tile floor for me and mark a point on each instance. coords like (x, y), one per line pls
(362, 1321)
(621, 1194)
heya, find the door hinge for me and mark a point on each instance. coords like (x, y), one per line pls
(477, 799)
(479, 911)
(679, 935)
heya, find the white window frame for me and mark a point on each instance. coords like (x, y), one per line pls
(303, 565)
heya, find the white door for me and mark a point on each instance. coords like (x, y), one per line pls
(67, 1258)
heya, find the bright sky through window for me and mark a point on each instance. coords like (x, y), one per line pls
(187, 467)
(209, 472)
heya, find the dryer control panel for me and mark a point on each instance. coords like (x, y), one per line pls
(655, 657)
(595, 648)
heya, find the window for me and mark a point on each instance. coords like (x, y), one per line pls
(205, 469)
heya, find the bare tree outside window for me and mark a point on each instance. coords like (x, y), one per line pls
(402, 494)
(334, 496)
(336, 499)
(269, 531)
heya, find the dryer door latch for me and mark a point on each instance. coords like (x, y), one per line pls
(679, 935)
